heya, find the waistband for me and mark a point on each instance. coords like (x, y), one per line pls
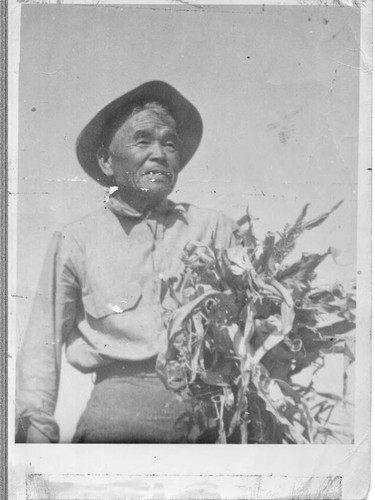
(144, 367)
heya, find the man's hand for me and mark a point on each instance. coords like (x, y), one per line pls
(35, 436)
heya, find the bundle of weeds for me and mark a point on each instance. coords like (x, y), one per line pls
(241, 324)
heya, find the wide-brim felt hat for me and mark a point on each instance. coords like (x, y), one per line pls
(188, 121)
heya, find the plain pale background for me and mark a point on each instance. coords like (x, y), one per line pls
(278, 92)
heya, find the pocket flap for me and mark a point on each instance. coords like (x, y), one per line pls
(98, 305)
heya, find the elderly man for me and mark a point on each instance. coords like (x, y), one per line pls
(99, 293)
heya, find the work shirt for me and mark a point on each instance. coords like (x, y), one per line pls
(100, 295)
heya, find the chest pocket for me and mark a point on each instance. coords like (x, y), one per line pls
(99, 304)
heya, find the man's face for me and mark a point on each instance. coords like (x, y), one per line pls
(145, 155)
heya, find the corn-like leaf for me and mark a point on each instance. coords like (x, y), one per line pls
(199, 332)
(240, 310)
(302, 270)
(266, 261)
(247, 233)
(177, 321)
(319, 220)
(237, 260)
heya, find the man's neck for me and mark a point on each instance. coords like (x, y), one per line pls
(139, 202)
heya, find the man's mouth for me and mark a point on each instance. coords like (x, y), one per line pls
(156, 175)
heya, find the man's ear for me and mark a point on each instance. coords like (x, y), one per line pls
(104, 158)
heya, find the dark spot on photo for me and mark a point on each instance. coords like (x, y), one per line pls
(284, 136)
(33, 109)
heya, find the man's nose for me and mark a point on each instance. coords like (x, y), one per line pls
(157, 151)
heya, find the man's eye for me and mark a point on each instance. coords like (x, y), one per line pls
(170, 145)
(143, 142)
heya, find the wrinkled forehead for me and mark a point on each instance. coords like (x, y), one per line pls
(147, 120)
(149, 116)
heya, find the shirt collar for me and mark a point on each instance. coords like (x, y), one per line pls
(121, 208)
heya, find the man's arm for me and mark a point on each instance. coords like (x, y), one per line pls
(38, 363)
(35, 436)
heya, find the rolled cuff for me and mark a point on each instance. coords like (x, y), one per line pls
(43, 422)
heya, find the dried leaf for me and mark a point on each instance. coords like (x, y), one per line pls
(240, 311)
(302, 270)
(237, 261)
(247, 234)
(266, 261)
(177, 321)
(199, 333)
(319, 220)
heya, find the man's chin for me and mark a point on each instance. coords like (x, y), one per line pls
(155, 190)
(147, 196)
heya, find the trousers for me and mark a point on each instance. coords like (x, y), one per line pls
(129, 404)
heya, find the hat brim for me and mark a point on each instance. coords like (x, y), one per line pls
(187, 117)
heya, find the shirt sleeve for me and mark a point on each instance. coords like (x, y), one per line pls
(226, 233)
(52, 318)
